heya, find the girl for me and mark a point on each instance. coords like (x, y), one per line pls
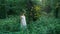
(23, 21)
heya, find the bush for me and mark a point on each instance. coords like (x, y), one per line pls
(10, 24)
(45, 25)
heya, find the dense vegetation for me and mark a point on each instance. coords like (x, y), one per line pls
(44, 25)
(43, 16)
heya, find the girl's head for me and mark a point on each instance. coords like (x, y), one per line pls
(22, 13)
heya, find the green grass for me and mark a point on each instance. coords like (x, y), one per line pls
(44, 25)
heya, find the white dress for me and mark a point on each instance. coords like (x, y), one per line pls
(23, 21)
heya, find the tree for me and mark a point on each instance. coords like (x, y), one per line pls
(2, 9)
(57, 10)
(29, 7)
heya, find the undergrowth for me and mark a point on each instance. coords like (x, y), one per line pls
(44, 25)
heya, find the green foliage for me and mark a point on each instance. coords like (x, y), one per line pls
(37, 11)
(9, 24)
(34, 10)
(44, 25)
(2, 9)
(11, 7)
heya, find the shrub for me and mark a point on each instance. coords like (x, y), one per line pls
(10, 24)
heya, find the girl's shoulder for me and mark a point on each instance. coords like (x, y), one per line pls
(22, 16)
